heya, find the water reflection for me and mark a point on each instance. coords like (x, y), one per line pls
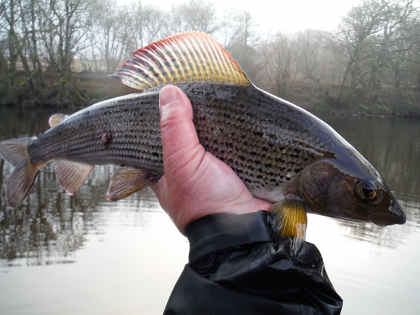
(390, 236)
(50, 225)
(393, 147)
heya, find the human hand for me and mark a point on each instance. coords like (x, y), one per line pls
(195, 182)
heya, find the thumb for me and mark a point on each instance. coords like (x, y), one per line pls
(179, 138)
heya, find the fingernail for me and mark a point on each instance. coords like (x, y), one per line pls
(167, 95)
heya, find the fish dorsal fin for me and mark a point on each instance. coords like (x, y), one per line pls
(56, 119)
(185, 57)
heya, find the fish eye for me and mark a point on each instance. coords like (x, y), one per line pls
(369, 194)
(366, 191)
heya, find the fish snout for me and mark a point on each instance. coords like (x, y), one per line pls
(393, 215)
(398, 213)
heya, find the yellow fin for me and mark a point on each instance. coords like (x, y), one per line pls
(125, 182)
(186, 57)
(291, 218)
(72, 175)
(56, 119)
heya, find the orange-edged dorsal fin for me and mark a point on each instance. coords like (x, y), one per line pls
(56, 119)
(185, 57)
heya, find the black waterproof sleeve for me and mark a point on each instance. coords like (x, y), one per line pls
(236, 266)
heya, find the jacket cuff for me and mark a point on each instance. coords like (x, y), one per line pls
(221, 231)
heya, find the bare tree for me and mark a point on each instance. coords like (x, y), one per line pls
(241, 41)
(146, 24)
(194, 15)
(373, 57)
(66, 21)
(371, 36)
(109, 34)
(277, 70)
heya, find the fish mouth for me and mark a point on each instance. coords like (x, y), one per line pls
(394, 215)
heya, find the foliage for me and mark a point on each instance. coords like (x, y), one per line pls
(48, 49)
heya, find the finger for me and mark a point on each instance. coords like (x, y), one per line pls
(177, 128)
(161, 190)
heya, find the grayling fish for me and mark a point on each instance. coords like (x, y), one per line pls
(283, 153)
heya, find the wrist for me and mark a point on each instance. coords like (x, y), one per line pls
(221, 231)
(184, 217)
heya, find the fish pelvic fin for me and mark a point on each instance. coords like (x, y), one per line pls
(15, 151)
(186, 57)
(291, 218)
(126, 182)
(72, 175)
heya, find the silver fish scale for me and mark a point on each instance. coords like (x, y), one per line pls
(265, 151)
(123, 132)
(264, 141)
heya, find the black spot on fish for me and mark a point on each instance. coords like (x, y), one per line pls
(106, 138)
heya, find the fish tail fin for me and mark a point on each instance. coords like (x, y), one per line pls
(15, 151)
(291, 221)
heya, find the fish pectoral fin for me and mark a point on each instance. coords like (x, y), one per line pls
(56, 119)
(291, 218)
(186, 57)
(72, 175)
(125, 182)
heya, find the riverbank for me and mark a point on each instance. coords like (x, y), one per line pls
(87, 88)
(323, 101)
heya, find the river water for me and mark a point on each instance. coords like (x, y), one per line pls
(84, 255)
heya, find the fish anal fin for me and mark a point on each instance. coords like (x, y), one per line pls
(185, 57)
(56, 119)
(291, 218)
(125, 182)
(72, 175)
